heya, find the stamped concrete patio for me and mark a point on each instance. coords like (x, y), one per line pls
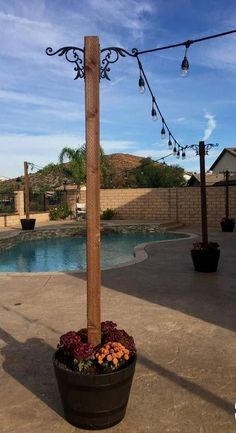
(183, 323)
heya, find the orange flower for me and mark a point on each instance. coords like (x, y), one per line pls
(115, 361)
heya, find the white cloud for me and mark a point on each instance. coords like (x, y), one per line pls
(112, 146)
(22, 21)
(130, 15)
(43, 149)
(56, 107)
(211, 125)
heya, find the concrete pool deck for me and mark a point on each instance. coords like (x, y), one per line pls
(183, 323)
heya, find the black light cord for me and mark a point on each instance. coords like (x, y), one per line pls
(186, 43)
(154, 103)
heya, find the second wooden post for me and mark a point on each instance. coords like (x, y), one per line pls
(203, 193)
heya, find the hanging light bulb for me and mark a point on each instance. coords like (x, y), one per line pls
(154, 112)
(163, 131)
(170, 142)
(174, 150)
(141, 84)
(183, 154)
(178, 154)
(184, 67)
(185, 62)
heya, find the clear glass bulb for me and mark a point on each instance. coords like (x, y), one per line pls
(184, 67)
(154, 114)
(184, 73)
(163, 133)
(141, 84)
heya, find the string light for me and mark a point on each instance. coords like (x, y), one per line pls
(135, 53)
(154, 112)
(169, 141)
(156, 109)
(185, 62)
(163, 131)
(141, 84)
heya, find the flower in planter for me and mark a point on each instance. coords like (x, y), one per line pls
(230, 220)
(76, 354)
(112, 356)
(201, 246)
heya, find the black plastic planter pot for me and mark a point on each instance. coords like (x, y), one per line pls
(95, 401)
(27, 224)
(205, 260)
(227, 226)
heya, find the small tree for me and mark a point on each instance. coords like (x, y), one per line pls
(150, 174)
(77, 163)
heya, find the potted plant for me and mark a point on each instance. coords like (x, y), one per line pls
(94, 381)
(227, 224)
(205, 256)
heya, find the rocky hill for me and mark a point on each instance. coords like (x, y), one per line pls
(53, 175)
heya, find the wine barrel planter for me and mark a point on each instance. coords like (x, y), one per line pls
(227, 225)
(205, 260)
(28, 224)
(94, 401)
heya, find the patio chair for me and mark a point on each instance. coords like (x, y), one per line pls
(80, 211)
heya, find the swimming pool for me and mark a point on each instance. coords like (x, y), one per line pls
(69, 254)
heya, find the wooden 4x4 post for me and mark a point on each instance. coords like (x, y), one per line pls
(92, 78)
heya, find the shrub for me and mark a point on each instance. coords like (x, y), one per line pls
(60, 212)
(108, 214)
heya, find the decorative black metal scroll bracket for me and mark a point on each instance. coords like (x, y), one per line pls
(206, 147)
(72, 55)
(112, 56)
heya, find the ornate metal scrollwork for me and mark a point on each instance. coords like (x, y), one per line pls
(112, 55)
(72, 55)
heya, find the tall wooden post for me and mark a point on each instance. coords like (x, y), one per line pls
(92, 78)
(227, 193)
(203, 193)
(26, 188)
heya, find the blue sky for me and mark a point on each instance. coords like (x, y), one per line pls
(42, 107)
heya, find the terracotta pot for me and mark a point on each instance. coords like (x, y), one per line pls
(94, 401)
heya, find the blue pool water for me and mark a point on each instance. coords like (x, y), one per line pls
(69, 254)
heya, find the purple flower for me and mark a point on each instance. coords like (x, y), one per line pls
(83, 351)
(120, 336)
(69, 340)
(107, 326)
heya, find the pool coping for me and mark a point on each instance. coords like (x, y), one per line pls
(140, 255)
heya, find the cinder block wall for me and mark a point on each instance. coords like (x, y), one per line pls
(154, 204)
(14, 219)
(163, 204)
